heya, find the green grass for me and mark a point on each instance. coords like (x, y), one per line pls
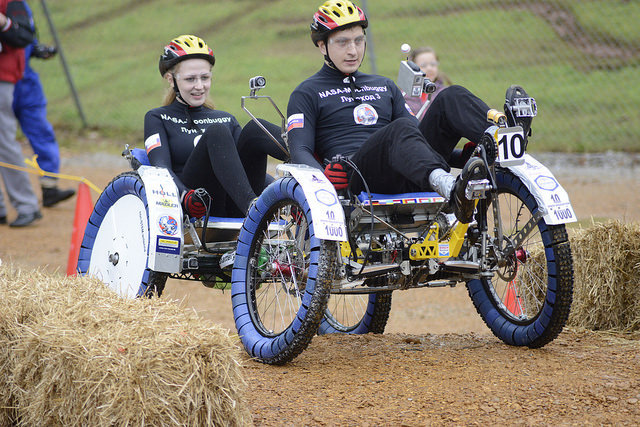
(586, 103)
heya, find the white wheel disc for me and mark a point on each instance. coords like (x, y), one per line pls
(119, 255)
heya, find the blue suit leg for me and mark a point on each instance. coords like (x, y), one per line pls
(39, 132)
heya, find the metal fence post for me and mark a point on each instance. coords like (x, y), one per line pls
(370, 47)
(64, 63)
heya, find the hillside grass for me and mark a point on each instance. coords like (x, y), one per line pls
(112, 49)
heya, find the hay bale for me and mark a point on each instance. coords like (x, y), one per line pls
(74, 353)
(607, 277)
(606, 263)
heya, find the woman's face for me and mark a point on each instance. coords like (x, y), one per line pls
(194, 80)
(428, 64)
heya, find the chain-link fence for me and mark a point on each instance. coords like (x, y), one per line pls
(578, 58)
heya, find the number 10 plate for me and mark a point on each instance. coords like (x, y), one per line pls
(510, 146)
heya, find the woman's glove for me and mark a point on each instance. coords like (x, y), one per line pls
(194, 202)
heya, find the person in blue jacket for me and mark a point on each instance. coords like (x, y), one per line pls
(30, 108)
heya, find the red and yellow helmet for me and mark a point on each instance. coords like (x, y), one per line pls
(335, 15)
(184, 47)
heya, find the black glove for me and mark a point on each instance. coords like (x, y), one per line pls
(459, 158)
(43, 51)
(337, 174)
(195, 202)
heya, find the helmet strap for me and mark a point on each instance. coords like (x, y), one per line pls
(176, 90)
(190, 123)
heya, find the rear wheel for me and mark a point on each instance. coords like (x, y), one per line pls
(281, 276)
(528, 300)
(115, 246)
(356, 314)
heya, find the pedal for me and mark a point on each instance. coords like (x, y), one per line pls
(524, 107)
(477, 189)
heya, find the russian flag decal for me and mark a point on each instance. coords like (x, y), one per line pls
(152, 142)
(295, 121)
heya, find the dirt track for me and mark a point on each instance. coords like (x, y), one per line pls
(437, 363)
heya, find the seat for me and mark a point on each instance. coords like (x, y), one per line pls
(378, 199)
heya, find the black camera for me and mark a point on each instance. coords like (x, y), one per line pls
(43, 51)
(257, 82)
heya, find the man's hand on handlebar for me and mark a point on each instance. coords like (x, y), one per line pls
(336, 171)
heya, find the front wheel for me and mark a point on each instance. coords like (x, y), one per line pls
(281, 275)
(115, 246)
(528, 300)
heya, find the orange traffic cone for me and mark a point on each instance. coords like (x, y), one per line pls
(512, 300)
(84, 207)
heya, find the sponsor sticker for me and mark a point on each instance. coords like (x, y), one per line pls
(546, 183)
(443, 250)
(365, 114)
(326, 197)
(168, 245)
(163, 192)
(168, 225)
(227, 259)
(166, 203)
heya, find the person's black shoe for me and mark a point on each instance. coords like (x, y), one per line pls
(3, 220)
(520, 109)
(463, 207)
(24, 220)
(54, 195)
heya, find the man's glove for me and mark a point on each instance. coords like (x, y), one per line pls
(337, 174)
(194, 202)
(43, 51)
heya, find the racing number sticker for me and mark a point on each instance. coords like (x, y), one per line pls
(511, 146)
(549, 194)
(328, 216)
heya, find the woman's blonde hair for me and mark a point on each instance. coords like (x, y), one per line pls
(170, 94)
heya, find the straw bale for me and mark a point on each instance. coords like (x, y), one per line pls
(607, 277)
(606, 263)
(74, 353)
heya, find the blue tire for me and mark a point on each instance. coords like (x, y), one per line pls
(356, 314)
(115, 246)
(527, 302)
(281, 276)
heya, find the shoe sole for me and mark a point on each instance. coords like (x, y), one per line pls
(55, 202)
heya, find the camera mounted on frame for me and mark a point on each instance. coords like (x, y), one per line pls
(411, 79)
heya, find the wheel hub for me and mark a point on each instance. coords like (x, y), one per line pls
(521, 255)
(284, 269)
(114, 258)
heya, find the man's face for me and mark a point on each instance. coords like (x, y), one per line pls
(346, 48)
